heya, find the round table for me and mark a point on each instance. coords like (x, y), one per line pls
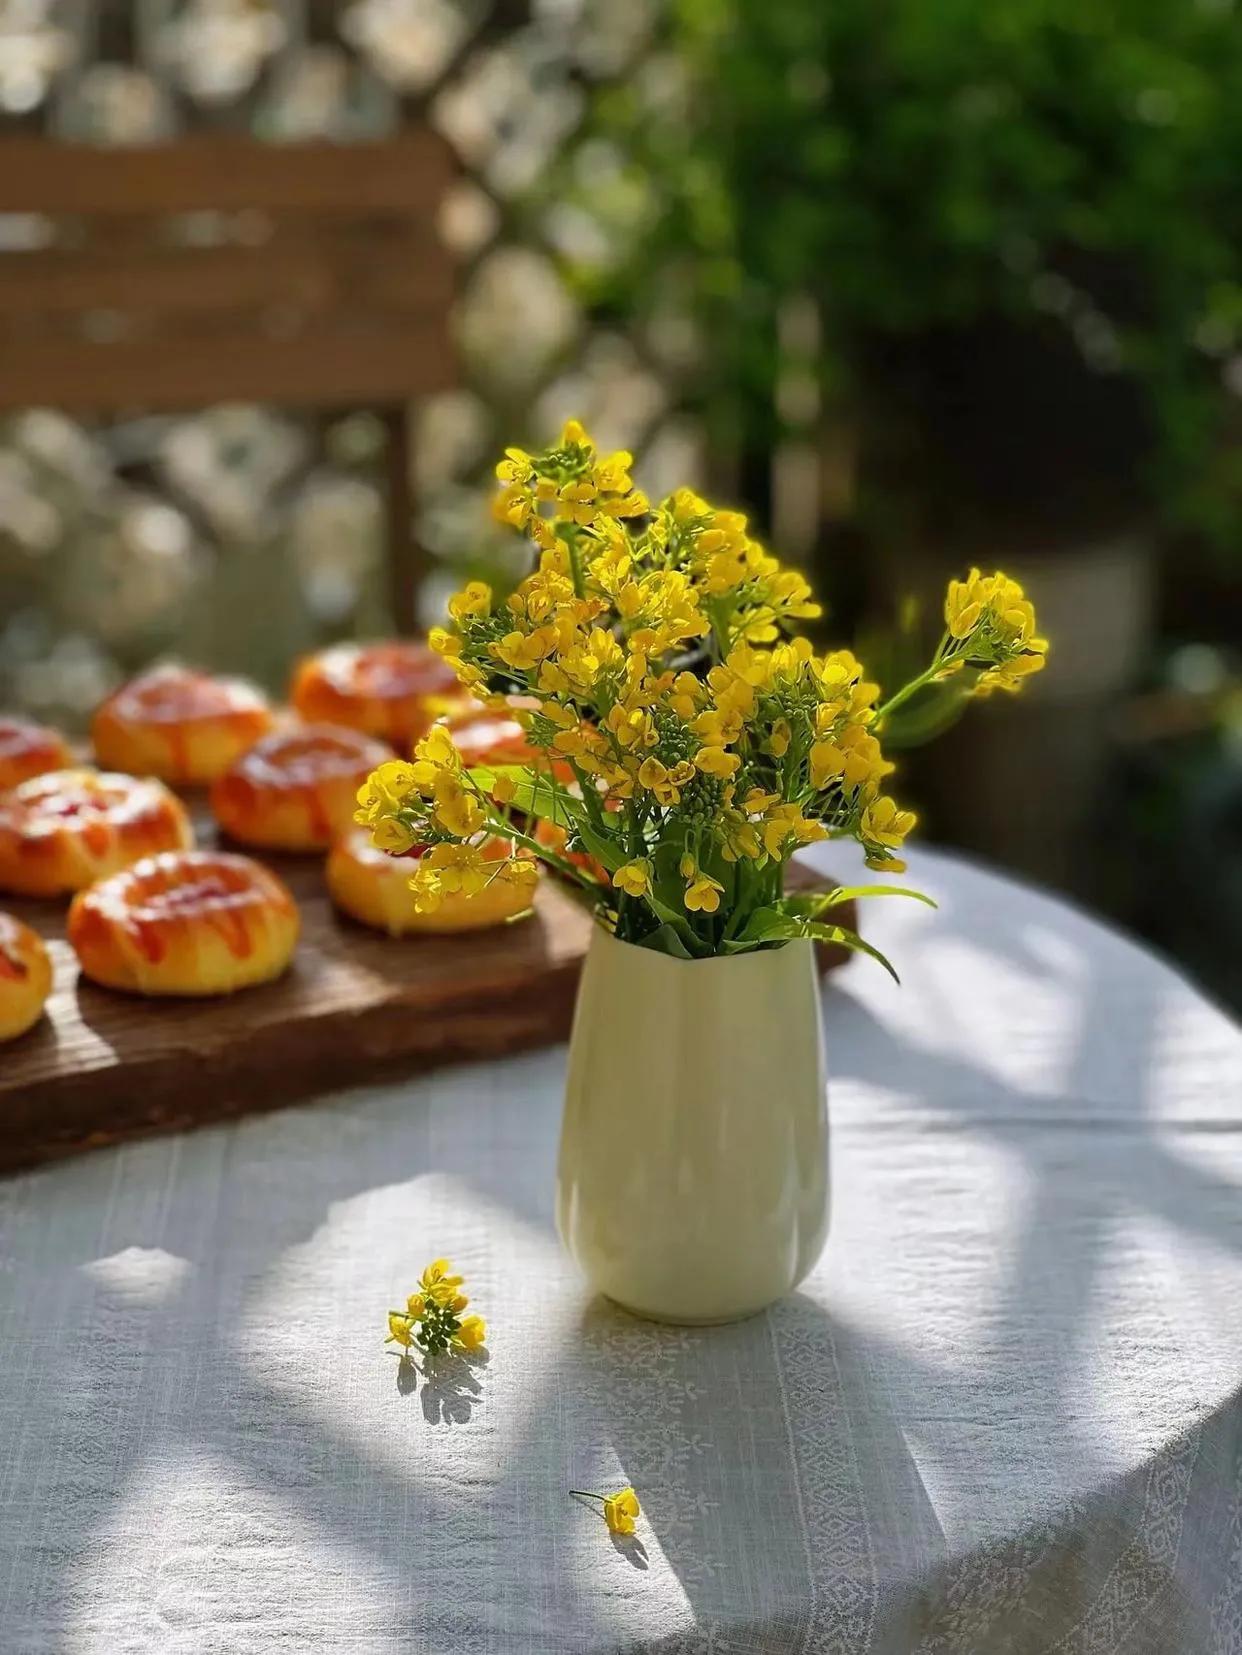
(1001, 1415)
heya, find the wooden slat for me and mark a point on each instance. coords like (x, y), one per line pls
(406, 173)
(405, 274)
(328, 366)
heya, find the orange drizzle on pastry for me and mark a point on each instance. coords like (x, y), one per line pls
(185, 922)
(25, 977)
(296, 789)
(183, 726)
(28, 749)
(62, 830)
(392, 690)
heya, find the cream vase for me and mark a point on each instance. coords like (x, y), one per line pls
(693, 1177)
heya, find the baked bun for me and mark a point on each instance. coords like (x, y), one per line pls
(25, 977)
(371, 886)
(485, 737)
(62, 831)
(183, 726)
(394, 691)
(296, 789)
(28, 749)
(187, 922)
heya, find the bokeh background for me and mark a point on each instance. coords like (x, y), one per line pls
(918, 285)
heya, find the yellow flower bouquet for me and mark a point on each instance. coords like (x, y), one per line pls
(688, 742)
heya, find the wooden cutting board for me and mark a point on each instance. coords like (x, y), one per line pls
(355, 1007)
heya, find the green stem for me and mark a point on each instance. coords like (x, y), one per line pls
(508, 831)
(575, 564)
(590, 797)
(944, 650)
(903, 695)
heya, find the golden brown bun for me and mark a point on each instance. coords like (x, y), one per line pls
(62, 831)
(394, 691)
(374, 887)
(186, 922)
(296, 789)
(183, 726)
(28, 749)
(484, 737)
(25, 977)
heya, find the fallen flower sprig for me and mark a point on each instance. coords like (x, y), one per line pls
(620, 1509)
(432, 1318)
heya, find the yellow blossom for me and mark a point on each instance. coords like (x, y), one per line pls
(854, 757)
(516, 466)
(620, 1511)
(524, 651)
(475, 598)
(397, 778)
(438, 1281)
(1008, 675)
(715, 761)
(665, 783)
(457, 811)
(472, 1333)
(576, 502)
(444, 642)
(884, 823)
(703, 894)
(612, 475)
(634, 878)
(437, 747)
(719, 727)
(785, 828)
(884, 863)
(449, 870)
(630, 726)
(400, 1329)
(392, 836)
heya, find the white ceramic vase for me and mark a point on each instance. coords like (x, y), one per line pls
(693, 1177)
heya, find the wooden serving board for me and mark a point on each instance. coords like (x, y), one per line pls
(356, 1006)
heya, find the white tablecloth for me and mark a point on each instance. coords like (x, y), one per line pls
(1002, 1415)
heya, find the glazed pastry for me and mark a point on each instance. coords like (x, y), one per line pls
(28, 749)
(485, 737)
(61, 831)
(296, 789)
(183, 726)
(374, 887)
(186, 922)
(394, 691)
(25, 977)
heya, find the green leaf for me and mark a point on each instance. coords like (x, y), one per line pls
(847, 893)
(666, 940)
(850, 939)
(601, 847)
(536, 794)
(772, 924)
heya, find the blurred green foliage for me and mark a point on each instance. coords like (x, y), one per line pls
(919, 165)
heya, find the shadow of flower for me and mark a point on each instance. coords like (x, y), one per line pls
(450, 1387)
(631, 1549)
